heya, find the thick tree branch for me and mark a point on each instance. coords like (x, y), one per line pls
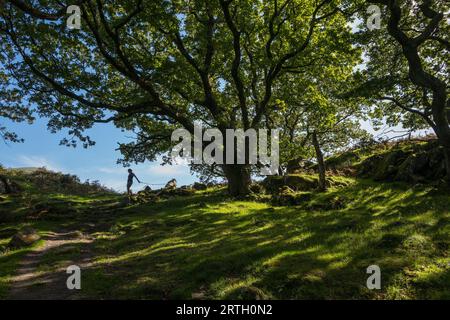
(37, 13)
(239, 85)
(275, 70)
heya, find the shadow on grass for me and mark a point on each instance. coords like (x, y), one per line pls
(212, 247)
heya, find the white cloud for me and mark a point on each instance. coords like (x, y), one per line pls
(111, 170)
(118, 185)
(153, 169)
(168, 170)
(38, 161)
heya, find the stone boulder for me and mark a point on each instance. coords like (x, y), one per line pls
(172, 184)
(386, 169)
(288, 197)
(328, 203)
(144, 196)
(273, 184)
(52, 210)
(368, 166)
(298, 165)
(24, 238)
(418, 164)
(151, 196)
(248, 293)
(7, 186)
(341, 162)
(413, 169)
(182, 191)
(257, 188)
(199, 186)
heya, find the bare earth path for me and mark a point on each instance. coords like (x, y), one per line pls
(41, 275)
(33, 283)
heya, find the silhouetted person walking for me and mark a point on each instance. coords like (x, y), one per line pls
(131, 175)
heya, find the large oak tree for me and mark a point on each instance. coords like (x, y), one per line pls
(151, 66)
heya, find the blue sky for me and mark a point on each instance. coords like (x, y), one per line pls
(41, 148)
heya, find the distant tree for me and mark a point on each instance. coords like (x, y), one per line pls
(314, 119)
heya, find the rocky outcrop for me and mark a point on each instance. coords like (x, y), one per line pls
(24, 238)
(148, 195)
(199, 186)
(7, 186)
(298, 182)
(273, 184)
(298, 165)
(342, 162)
(288, 197)
(257, 188)
(419, 163)
(172, 184)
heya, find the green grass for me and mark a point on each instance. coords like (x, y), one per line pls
(212, 247)
(209, 246)
(9, 261)
(16, 211)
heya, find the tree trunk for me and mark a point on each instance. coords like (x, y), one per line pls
(421, 77)
(442, 131)
(447, 164)
(5, 183)
(320, 163)
(239, 179)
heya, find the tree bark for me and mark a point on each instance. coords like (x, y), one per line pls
(418, 74)
(447, 163)
(5, 182)
(239, 179)
(320, 163)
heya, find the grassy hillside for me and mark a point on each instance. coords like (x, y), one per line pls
(210, 246)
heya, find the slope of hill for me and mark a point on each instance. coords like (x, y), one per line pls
(419, 161)
(208, 246)
(26, 169)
